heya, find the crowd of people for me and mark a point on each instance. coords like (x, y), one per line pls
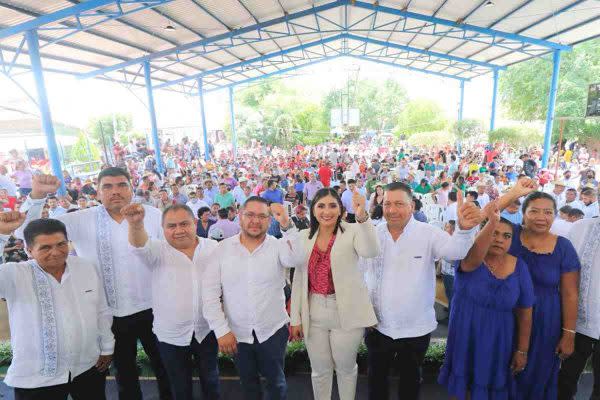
(333, 244)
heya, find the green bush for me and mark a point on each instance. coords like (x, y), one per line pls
(435, 138)
(517, 136)
(295, 355)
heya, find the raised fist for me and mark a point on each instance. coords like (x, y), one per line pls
(280, 214)
(134, 214)
(358, 203)
(43, 185)
(9, 221)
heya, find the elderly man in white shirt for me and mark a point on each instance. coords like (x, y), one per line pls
(178, 265)
(59, 319)
(243, 299)
(99, 234)
(585, 236)
(402, 284)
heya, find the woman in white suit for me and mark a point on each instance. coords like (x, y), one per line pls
(330, 302)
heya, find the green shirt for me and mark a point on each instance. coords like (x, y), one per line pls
(224, 200)
(423, 189)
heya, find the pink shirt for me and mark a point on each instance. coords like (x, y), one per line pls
(320, 280)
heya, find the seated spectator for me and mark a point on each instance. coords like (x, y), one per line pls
(418, 214)
(204, 222)
(223, 228)
(300, 219)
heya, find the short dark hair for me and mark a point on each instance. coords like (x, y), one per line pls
(576, 212)
(418, 204)
(114, 171)
(588, 192)
(256, 199)
(565, 209)
(223, 212)
(46, 226)
(445, 184)
(177, 207)
(453, 196)
(351, 181)
(473, 194)
(202, 210)
(399, 186)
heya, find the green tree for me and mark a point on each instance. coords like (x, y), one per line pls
(420, 115)
(524, 88)
(84, 150)
(106, 124)
(436, 138)
(467, 129)
(378, 103)
(518, 136)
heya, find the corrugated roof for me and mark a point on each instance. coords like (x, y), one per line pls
(234, 41)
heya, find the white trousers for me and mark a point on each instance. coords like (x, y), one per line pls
(331, 348)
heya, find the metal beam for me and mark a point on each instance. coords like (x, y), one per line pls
(33, 45)
(224, 36)
(460, 26)
(494, 101)
(424, 52)
(251, 61)
(551, 105)
(462, 100)
(333, 39)
(271, 74)
(152, 112)
(233, 131)
(413, 69)
(539, 21)
(203, 115)
(54, 17)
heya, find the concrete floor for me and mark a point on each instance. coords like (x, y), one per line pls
(299, 388)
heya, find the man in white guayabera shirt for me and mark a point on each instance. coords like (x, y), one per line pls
(59, 319)
(99, 234)
(243, 299)
(402, 283)
(178, 265)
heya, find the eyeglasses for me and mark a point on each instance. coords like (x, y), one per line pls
(261, 217)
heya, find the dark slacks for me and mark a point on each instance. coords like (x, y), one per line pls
(448, 281)
(406, 354)
(266, 359)
(572, 367)
(180, 362)
(127, 331)
(86, 386)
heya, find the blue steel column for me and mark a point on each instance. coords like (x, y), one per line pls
(233, 132)
(203, 114)
(462, 100)
(152, 111)
(551, 104)
(494, 101)
(33, 46)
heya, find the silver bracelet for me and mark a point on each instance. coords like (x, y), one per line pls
(523, 353)
(569, 330)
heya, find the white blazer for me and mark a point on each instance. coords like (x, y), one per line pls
(352, 297)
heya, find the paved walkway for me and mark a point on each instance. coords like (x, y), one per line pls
(299, 389)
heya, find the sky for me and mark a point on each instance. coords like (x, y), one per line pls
(74, 101)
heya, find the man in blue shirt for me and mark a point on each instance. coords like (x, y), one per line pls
(272, 194)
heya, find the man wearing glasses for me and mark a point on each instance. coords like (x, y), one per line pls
(247, 272)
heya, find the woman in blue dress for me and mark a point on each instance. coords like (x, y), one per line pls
(485, 349)
(554, 268)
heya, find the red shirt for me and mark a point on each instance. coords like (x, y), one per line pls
(320, 280)
(325, 175)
